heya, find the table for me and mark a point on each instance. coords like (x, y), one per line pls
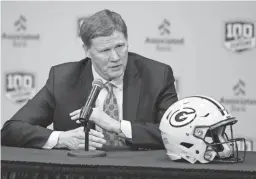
(20, 163)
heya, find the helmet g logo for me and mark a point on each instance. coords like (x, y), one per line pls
(182, 117)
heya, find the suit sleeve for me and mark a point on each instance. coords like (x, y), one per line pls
(148, 135)
(27, 128)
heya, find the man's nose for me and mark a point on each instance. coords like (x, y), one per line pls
(114, 55)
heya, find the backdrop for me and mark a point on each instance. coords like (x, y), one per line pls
(209, 45)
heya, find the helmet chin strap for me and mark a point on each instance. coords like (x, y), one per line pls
(227, 151)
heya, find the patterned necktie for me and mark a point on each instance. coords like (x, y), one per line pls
(111, 108)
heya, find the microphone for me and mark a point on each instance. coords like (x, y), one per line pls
(85, 114)
(86, 110)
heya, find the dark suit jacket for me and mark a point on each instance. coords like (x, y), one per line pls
(148, 91)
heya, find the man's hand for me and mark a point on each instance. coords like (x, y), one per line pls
(74, 139)
(101, 119)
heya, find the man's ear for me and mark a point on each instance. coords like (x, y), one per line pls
(86, 50)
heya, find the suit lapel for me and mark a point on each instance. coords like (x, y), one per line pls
(131, 93)
(84, 84)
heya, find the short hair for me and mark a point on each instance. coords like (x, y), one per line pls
(102, 23)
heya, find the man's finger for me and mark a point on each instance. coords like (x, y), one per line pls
(96, 133)
(95, 144)
(75, 117)
(82, 146)
(75, 112)
(92, 148)
(97, 139)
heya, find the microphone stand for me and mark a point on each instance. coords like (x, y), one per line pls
(86, 133)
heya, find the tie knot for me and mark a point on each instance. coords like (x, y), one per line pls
(109, 86)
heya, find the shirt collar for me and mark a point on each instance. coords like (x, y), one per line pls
(116, 82)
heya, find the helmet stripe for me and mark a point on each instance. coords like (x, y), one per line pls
(217, 104)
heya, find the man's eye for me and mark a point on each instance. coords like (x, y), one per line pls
(120, 46)
(105, 50)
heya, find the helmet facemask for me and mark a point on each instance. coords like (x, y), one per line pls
(221, 143)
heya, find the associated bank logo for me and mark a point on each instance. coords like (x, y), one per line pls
(164, 41)
(239, 88)
(20, 24)
(19, 86)
(239, 36)
(164, 27)
(20, 36)
(239, 101)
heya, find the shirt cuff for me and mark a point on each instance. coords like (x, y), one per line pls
(126, 128)
(52, 140)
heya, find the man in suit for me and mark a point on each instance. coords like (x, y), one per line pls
(138, 91)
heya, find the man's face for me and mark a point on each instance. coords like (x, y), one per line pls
(109, 55)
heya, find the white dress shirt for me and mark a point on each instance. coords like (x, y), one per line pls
(118, 91)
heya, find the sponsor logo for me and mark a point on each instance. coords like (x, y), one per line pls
(164, 41)
(239, 101)
(239, 36)
(19, 86)
(20, 37)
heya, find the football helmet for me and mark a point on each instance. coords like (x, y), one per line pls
(198, 128)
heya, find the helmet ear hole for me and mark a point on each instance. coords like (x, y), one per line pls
(187, 145)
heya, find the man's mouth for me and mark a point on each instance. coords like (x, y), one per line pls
(115, 66)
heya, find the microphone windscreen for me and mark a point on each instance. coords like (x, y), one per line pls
(98, 82)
